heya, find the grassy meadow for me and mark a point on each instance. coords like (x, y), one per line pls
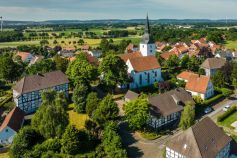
(231, 44)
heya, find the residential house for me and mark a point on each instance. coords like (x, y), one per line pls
(165, 109)
(67, 52)
(25, 56)
(179, 50)
(234, 54)
(36, 59)
(143, 67)
(197, 85)
(203, 140)
(11, 125)
(27, 91)
(132, 48)
(85, 48)
(91, 59)
(95, 53)
(225, 54)
(160, 46)
(130, 95)
(211, 65)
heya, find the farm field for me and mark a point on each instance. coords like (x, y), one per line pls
(91, 42)
(231, 44)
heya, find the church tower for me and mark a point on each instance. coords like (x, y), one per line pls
(147, 45)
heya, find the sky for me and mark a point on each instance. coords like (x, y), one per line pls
(40, 10)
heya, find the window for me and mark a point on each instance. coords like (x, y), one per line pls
(140, 79)
(6, 130)
(148, 77)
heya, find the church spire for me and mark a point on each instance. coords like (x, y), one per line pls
(147, 25)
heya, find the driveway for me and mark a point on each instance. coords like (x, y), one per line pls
(138, 147)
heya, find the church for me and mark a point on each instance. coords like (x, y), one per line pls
(143, 67)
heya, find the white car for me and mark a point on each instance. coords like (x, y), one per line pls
(208, 110)
(226, 107)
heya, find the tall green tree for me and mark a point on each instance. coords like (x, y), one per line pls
(44, 66)
(81, 69)
(193, 64)
(92, 102)
(73, 140)
(112, 143)
(188, 116)
(137, 113)
(113, 70)
(184, 62)
(106, 111)
(10, 70)
(218, 79)
(51, 118)
(79, 97)
(61, 63)
(24, 141)
(234, 75)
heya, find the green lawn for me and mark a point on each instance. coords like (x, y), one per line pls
(149, 135)
(229, 120)
(231, 44)
(77, 119)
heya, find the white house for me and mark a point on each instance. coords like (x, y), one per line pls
(25, 56)
(165, 109)
(143, 71)
(11, 125)
(95, 53)
(27, 91)
(211, 65)
(197, 85)
(203, 140)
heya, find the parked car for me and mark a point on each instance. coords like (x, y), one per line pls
(207, 110)
(226, 107)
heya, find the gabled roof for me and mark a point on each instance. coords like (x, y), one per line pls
(131, 95)
(166, 55)
(127, 56)
(185, 75)
(40, 81)
(197, 83)
(14, 119)
(145, 63)
(23, 55)
(213, 63)
(203, 140)
(169, 102)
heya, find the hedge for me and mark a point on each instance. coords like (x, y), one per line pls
(226, 114)
(7, 99)
(213, 99)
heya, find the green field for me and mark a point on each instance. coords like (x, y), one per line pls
(91, 42)
(231, 44)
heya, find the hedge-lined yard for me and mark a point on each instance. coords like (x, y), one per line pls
(228, 117)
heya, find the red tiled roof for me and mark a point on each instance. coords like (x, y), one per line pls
(145, 63)
(14, 119)
(185, 75)
(127, 56)
(197, 83)
(167, 55)
(23, 55)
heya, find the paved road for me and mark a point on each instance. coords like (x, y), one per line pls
(219, 109)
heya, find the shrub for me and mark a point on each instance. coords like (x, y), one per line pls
(227, 114)
(213, 99)
(226, 92)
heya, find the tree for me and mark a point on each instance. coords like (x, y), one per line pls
(234, 75)
(9, 70)
(188, 116)
(137, 113)
(106, 111)
(218, 79)
(112, 143)
(193, 64)
(79, 97)
(61, 63)
(55, 42)
(44, 66)
(51, 118)
(24, 141)
(92, 102)
(184, 62)
(71, 141)
(113, 70)
(104, 45)
(172, 62)
(81, 69)
(44, 42)
(227, 71)
(81, 42)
